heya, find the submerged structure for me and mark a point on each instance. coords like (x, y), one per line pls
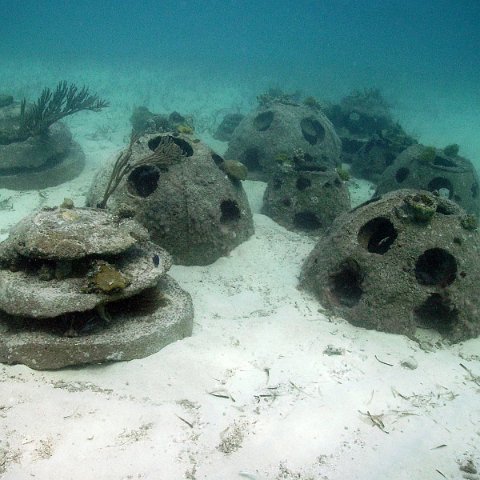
(227, 126)
(307, 201)
(36, 150)
(371, 139)
(188, 198)
(437, 170)
(281, 133)
(144, 121)
(406, 259)
(80, 285)
(379, 152)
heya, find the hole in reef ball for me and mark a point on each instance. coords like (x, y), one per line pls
(312, 130)
(230, 211)
(251, 159)
(441, 185)
(303, 183)
(436, 312)
(351, 145)
(377, 235)
(185, 147)
(263, 121)
(445, 209)
(306, 221)
(345, 283)
(436, 267)
(143, 180)
(217, 159)
(444, 162)
(474, 190)
(389, 158)
(277, 184)
(402, 174)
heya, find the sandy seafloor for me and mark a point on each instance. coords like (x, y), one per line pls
(293, 412)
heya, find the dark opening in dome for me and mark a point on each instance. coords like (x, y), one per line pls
(217, 159)
(444, 162)
(436, 267)
(474, 190)
(345, 283)
(277, 184)
(312, 130)
(389, 158)
(437, 312)
(251, 159)
(263, 121)
(351, 145)
(230, 211)
(441, 185)
(402, 174)
(185, 147)
(377, 235)
(303, 183)
(143, 180)
(445, 207)
(306, 221)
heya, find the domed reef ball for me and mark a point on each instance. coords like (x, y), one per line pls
(404, 260)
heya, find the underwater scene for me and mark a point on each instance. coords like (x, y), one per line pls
(239, 239)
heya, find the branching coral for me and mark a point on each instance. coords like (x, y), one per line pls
(166, 153)
(49, 108)
(53, 106)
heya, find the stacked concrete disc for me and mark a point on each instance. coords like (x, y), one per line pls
(279, 134)
(403, 260)
(195, 208)
(433, 169)
(306, 201)
(84, 286)
(40, 161)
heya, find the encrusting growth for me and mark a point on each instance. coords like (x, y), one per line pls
(166, 153)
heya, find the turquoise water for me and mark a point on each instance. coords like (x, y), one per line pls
(253, 327)
(423, 55)
(369, 39)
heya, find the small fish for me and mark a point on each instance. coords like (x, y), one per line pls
(156, 260)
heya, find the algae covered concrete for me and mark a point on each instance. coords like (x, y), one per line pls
(404, 259)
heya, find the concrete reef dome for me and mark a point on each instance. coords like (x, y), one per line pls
(306, 201)
(435, 170)
(183, 197)
(399, 261)
(278, 134)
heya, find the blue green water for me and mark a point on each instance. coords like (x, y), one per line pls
(425, 56)
(436, 37)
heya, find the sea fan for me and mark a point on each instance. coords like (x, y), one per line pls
(53, 106)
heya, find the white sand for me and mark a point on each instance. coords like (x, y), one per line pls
(285, 408)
